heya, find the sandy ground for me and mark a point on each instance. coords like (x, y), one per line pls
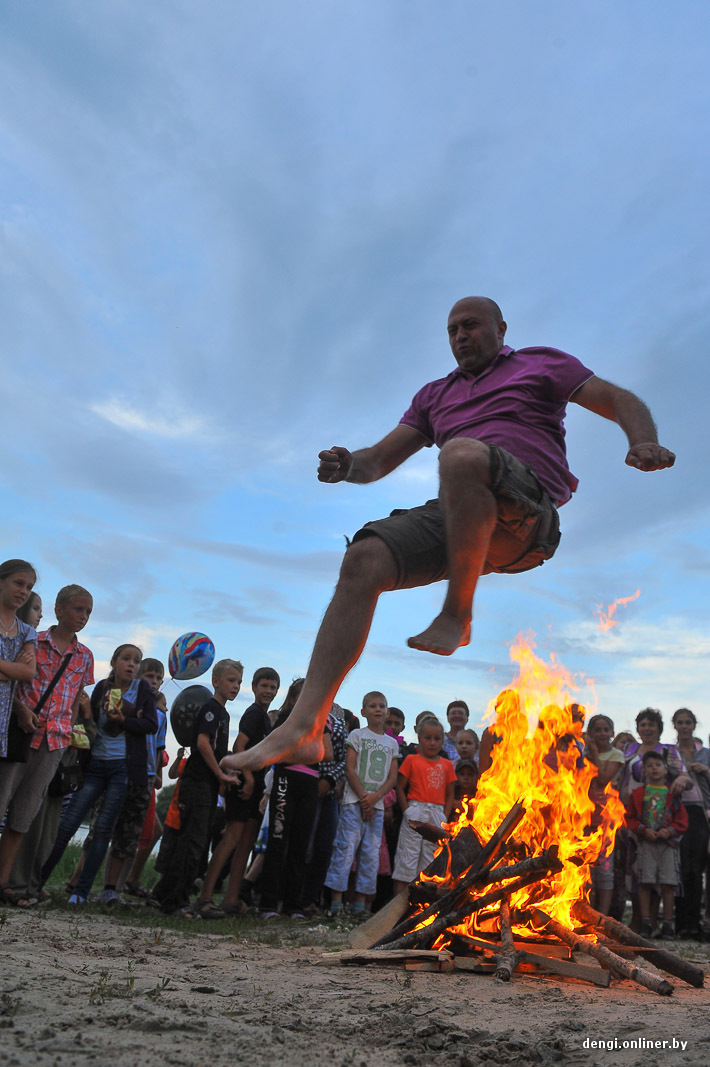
(80, 990)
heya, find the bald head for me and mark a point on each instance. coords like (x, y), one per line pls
(481, 304)
(476, 330)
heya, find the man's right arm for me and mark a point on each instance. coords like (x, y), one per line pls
(337, 464)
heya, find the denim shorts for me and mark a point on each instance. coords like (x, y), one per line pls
(527, 531)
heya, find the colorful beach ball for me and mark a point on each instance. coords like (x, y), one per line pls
(183, 712)
(191, 655)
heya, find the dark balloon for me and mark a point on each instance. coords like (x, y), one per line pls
(184, 712)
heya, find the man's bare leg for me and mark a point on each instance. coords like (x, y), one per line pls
(469, 510)
(368, 569)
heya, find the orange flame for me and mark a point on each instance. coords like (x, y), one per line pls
(606, 618)
(538, 760)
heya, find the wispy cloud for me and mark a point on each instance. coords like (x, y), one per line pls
(127, 416)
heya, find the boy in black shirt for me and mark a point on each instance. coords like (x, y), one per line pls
(199, 785)
(243, 817)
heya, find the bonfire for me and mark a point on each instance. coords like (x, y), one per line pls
(510, 883)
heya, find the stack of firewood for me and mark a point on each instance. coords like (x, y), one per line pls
(422, 926)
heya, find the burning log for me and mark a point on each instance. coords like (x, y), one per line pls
(458, 854)
(509, 958)
(434, 834)
(606, 957)
(530, 870)
(667, 961)
(493, 848)
(485, 858)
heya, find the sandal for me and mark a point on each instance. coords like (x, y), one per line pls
(208, 910)
(135, 889)
(240, 908)
(15, 897)
(185, 913)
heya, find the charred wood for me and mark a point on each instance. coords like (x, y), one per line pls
(456, 859)
(667, 961)
(509, 958)
(536, 867)
(621, 967)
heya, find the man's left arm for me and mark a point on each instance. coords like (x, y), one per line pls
(634, 418)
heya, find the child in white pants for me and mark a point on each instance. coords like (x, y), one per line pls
(425, 793)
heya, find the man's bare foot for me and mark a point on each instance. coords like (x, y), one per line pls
(287, 744)
(444, 636)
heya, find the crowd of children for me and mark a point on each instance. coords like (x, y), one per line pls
(346, 832)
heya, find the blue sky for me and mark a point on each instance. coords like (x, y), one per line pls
(231, 236)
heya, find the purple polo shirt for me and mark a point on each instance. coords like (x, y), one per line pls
(519, 403)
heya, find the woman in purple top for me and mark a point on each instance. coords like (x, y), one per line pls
(649, 726)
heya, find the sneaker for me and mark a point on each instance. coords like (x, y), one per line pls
(267, 916)
(76, 899)
(297, 916)
(667, 931)
(645, 929)
(108, 897)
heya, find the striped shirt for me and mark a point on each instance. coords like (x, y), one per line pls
(56, 715)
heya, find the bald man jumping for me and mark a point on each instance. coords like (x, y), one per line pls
(497, 420)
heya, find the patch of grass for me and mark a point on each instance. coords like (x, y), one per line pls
(245, 930)
(160, 987)
(99, 992)
(68, 861)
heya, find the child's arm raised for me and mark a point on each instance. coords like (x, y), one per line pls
(606, 769)
(141, 718)
(174, 768)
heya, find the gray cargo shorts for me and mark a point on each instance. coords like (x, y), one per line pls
(526, 534)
